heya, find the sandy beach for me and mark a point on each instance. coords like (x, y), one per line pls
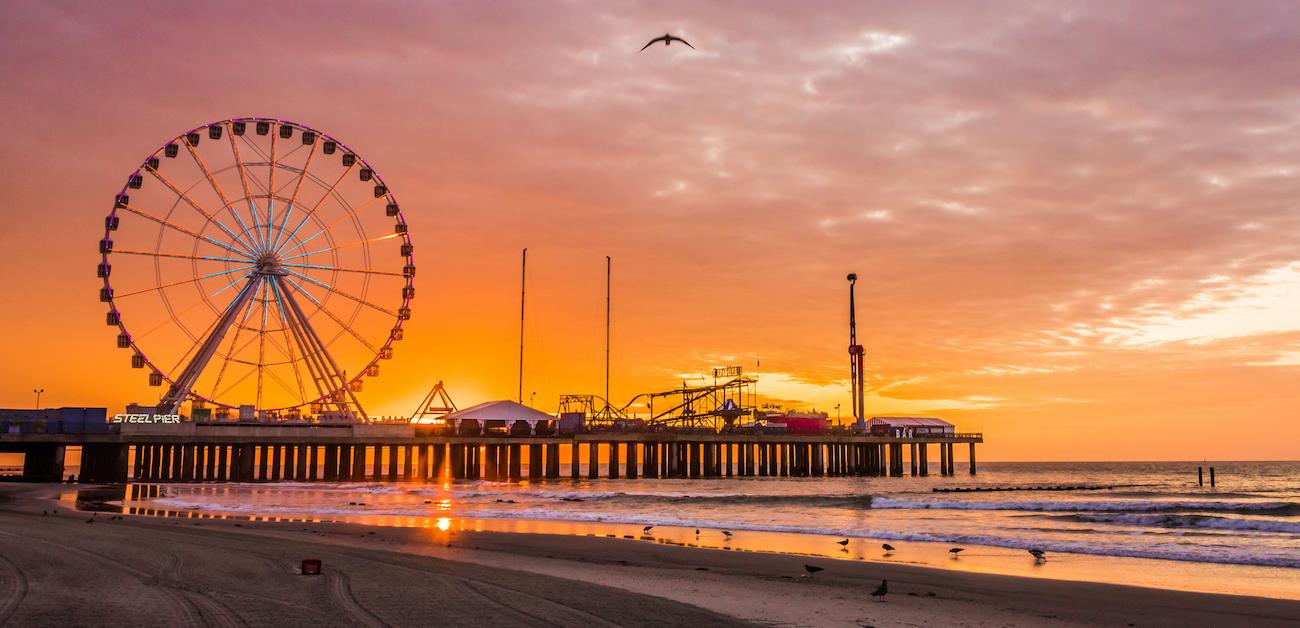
(177, 571)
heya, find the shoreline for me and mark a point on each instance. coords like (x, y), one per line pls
(751, 586)
(1278, 582)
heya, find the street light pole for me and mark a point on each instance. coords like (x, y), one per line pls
(38, 392)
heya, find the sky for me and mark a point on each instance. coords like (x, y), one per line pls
(1074, 225)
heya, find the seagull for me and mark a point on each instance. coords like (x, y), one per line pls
(844, 542)
(811, 569)
(697, 531)
(956, 550)
(668, 39)
(881, 590)
(1039, 554)
(888, 547)
(646, 530)
(726, 533)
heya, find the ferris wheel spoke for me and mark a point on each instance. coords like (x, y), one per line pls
(333, 290)
(206, 214)
(293, 200)
(313, 209)
(248, 194)
(207, 174)
(348, 328)
(341, 246)
(345, 270)
(270, 193)
(204, 258)
(351, 212)
(198, 236)
(226, 287)
(185, 281)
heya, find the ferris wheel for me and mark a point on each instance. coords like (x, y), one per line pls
(257, 262)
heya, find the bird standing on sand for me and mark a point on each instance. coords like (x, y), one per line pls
(668, 39)
(956, 550)
(887, 547)
(811, 569)
(646, 530)
(726, 533)
(1039, 555)
(843, 543)
(881, 590)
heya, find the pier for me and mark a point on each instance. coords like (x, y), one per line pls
(192, 452)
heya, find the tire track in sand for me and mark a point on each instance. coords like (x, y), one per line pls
(185, 611)
(342, 593)
(13, 588)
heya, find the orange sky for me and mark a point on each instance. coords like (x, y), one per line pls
(1074, 226)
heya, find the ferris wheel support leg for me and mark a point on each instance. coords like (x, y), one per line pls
(180, 388)
(336, 383)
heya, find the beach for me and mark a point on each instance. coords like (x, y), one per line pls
(240, 571)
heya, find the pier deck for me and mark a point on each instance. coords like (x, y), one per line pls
(253, 453)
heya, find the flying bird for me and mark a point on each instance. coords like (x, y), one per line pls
(668, 39)
(811, 569)
(881, 590)
(888, 547)
(844, 542)
(956, 550)
(726, 533)
(1039, 554)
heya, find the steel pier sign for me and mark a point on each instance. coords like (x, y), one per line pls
(146, 418)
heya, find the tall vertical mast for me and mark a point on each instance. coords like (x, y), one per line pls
(523, 282)
(855, 354)
(607, 296)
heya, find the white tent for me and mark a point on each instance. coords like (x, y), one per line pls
(910, 425)
(505, 412)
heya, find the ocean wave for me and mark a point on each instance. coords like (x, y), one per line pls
(1169, 551)
(1262, 508)
(1210, 522)
(1159, 550)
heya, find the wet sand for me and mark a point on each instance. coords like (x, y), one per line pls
(154, 571)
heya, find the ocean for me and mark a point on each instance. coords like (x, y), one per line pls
(1154, 510)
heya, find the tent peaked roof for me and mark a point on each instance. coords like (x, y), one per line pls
(909, 420)
(504, 410)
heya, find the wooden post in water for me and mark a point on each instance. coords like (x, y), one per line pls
(630, 471)
(593, 460)
(516, 465)
(275, 463)
(574, 469)
(534, 462)
(421, 463)
(221, 463)
(1211, 477)
(359, 463)
(972, 458)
